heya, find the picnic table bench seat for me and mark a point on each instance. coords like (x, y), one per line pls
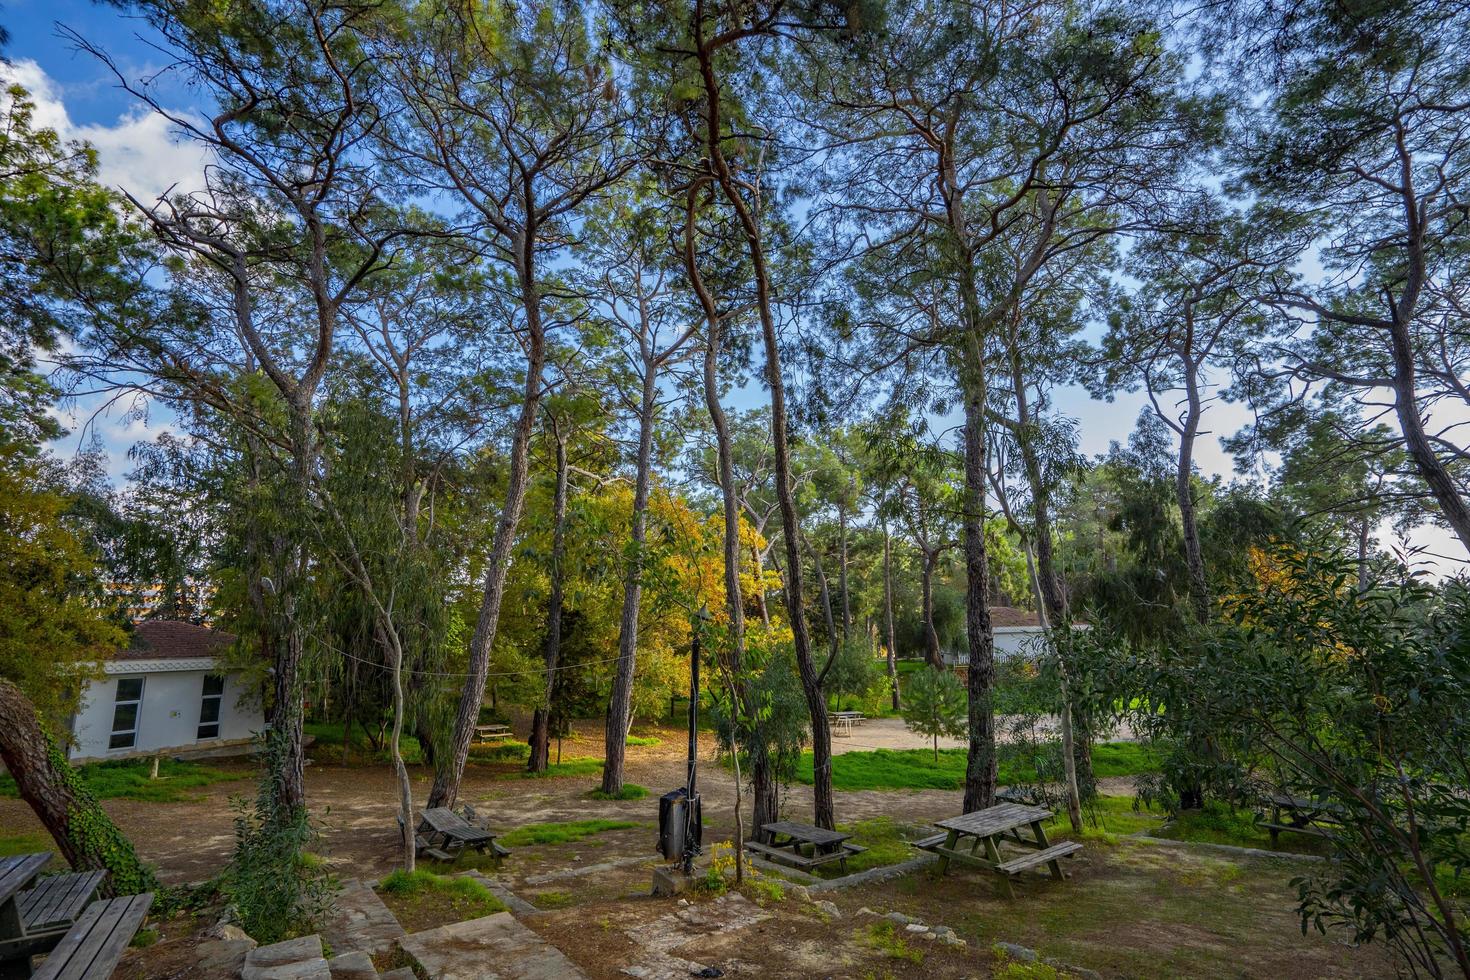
(792, 858)
(929, 843)
(92, 948)
(1033, 859)
(56, 900)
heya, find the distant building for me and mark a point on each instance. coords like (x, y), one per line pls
(166, 694)
(1018, 633)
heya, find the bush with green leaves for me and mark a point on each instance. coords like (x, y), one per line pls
(278, 888)
(1359, 701)
(936, 705)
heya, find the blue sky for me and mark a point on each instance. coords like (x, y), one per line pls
(79, 97)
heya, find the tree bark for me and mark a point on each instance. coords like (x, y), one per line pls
(83, 832)
(888, 614)
(980, 762)
(445, 790)
(932, 654)
(540, 755)
(1406, 407)
(1199, 590)
(763, 788)
(620, 702)
(790, 527)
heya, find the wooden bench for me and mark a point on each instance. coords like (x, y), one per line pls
(929, 843)
(1298, 815)
(91, 949)
(472, 816)
(795, 859)
(1047, 855)
(57, 900)
(422, 846)
(491, 733)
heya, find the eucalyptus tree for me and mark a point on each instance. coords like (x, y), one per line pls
(1195, 313)
(961, 128)
(513, 119)
(1364, 131)
(289, 223)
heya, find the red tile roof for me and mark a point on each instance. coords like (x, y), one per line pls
(1011, 616)
(171, 639)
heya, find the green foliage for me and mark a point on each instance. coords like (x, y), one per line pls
(277, 889)
(565, 832)
(885, 938)
(630, 791)
(96, 837)
(918, 769)
(936, 704)
(129, 779)
(643, 740)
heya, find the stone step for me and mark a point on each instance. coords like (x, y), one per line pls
(294, 959)
(402, 973)
(356, 965)
(459, 951)
(360, 920)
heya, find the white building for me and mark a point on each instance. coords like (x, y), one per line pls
(1018, 633)
(166, 694)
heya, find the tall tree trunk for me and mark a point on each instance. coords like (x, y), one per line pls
(760, 588)
(445, 790)
(392, 645)
(1432, 471)
(786, 499)
(888, 614)
(620, 702)
(540, 755)
(84, 833)
(1199, 590)
(761, 778)
(842, 572)
(932, 654)
(980, 763)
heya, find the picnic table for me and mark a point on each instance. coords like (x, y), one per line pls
(803, 846)
(843, 721)
(35, 917)
(491, 733)
(1298, 815)
(987, 829)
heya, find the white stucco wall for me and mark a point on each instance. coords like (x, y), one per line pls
(1011, 641)
(168, 718)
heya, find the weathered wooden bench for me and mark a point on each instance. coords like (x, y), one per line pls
(929, 843)
(92, 947)
(55, 902)
(796, 859)
(1297, 815)
(1047, 855)
(472, 816)
(422, 845)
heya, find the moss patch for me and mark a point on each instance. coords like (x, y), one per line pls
(564, 832)
(424, 900)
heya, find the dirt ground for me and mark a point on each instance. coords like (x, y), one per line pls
(1130, 909)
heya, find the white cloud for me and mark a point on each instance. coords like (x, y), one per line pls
(138, 152)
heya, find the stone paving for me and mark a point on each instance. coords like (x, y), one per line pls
(496, 947)
(361, 921)
(690, 924)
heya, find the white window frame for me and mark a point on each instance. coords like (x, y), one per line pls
(137, 714)
(204, 699)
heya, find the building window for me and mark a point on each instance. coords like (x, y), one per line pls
(125, 713)
(214, 693)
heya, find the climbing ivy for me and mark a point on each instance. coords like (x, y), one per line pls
(95, 838)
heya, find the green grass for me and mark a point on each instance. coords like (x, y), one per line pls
(585, 766)
(630, 791)
(1218, 824)
(886, 939)
(13, 844)
(917, 768)
(644, 740)
(553, 900)
(422, 899)
(563, 832)
(886, 842)
(128, 779)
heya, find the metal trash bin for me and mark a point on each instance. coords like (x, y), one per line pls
(680, 825)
